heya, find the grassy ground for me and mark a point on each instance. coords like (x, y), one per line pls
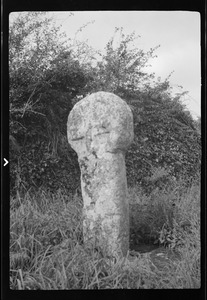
(47, 251)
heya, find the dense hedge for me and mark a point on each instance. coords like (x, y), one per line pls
(47, 78)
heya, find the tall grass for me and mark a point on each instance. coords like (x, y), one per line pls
(47, 250)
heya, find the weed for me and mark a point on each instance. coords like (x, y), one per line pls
(47, 250)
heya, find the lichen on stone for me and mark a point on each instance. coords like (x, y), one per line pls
(100, 129)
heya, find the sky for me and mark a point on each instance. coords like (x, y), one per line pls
(177, 33)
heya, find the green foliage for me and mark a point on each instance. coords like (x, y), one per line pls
(39, 164)
(43, 81)
(47, 250)
(121, 69)
(165, 137)
(49, 75)
(169, 217)
(171, 237)
(184, 227)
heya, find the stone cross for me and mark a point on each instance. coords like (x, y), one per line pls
(100, 129)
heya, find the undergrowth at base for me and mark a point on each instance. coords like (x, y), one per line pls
(47, 250)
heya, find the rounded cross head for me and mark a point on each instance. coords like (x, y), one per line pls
(101, 122)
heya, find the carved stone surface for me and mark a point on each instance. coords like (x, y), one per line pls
(100, 129)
